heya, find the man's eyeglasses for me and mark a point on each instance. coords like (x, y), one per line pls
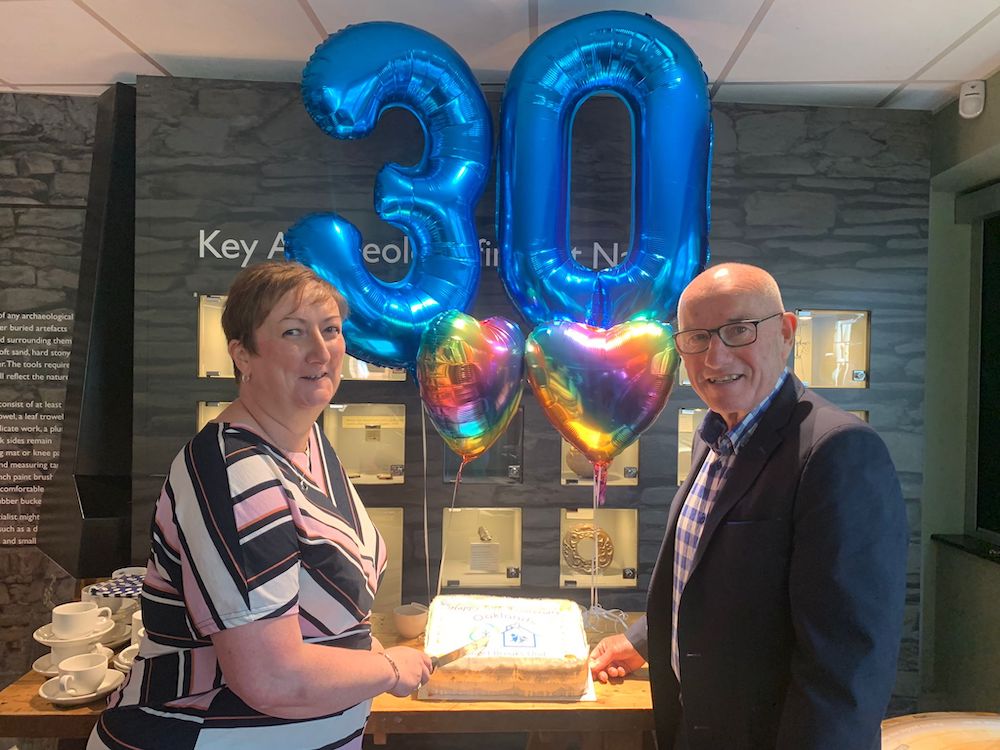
(733, 335)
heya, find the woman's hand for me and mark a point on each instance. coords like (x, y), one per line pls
(414, 669)
(377, 647)
(613, 658)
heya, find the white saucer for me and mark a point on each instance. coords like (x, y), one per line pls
(119, 634)
(46, 637)
(44, 665)
(123, 661)
(50, 690)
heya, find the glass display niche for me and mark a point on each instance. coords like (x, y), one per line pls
(369, 439)
(688, 421)
(481, 548)
(501, 464)
(213, 355)
(356, 369)
(209, 410)
(576, 469)
(389, 522)
(831, 348)
(615, 532)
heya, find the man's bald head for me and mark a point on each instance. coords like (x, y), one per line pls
(733, 278)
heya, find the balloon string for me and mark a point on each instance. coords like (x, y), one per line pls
(600, 485)
(427, 544)
(447, 524)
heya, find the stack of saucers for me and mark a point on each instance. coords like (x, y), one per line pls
(76, 628)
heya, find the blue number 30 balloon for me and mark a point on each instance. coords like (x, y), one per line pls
(662, 83)
(350, 80)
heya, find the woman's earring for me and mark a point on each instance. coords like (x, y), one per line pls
(245, 378)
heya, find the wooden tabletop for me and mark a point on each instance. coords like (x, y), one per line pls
(624, 707)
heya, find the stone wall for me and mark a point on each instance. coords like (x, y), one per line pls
(45, 154)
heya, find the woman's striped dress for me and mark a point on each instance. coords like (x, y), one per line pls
(241, 533)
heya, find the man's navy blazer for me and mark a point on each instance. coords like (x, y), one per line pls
(789, 625)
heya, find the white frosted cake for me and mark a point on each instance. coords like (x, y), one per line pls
(537, 648)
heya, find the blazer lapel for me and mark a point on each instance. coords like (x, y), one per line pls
(750, 461)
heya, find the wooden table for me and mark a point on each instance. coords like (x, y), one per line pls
(619, 718)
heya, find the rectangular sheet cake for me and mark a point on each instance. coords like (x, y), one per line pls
(537, 648)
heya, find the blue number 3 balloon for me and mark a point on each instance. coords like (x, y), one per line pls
(350, 80)
(662, 83)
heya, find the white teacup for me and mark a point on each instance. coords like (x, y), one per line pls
(82, 674)
(121, 606)
(76, 619)
(137, 635)
(410, 619)
(64, 651)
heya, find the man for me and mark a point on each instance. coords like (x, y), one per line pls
(775, 605)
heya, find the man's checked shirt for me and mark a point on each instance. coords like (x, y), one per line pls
(723, 449)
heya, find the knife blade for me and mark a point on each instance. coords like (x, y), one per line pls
(473, 647)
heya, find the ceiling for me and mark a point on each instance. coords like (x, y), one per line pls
(902, 54)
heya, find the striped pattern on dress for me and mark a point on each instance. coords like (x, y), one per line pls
(241, 533)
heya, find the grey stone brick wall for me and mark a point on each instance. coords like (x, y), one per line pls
(45, 153)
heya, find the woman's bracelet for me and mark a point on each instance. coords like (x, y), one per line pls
(395, 670)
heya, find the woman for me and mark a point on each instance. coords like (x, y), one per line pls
(264, 562)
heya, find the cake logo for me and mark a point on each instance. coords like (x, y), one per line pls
(517, 637)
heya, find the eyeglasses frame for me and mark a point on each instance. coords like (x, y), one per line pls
(710, 331)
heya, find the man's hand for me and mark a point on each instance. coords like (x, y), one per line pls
(613, 658)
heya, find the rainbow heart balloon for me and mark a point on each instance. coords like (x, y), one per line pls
(471, 376)
(601, 388)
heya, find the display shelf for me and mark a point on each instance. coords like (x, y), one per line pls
(213, 354)
(369, 439)
(576, 469)
(481, 548)
(616, 533)
(209, 410)
(356, 369)
(832, 348)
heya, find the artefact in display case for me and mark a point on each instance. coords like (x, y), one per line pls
(501, 464)
(369, 440)
(688, 420)
(576, 469)
(832, 348)
(389, 522)
(605, 542)
(481, 548)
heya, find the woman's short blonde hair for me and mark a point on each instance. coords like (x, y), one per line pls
(258, 288)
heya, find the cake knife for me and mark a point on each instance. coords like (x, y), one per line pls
(473, 647)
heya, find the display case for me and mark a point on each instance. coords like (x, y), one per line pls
(369, 439)
(501, 464)
(576, 469)
(831, 348)
(356, 369)
(614, 531)
(213, 354)
(682, 373)
(688, 421)
(481, 548)
(209, 410)
(389, 522)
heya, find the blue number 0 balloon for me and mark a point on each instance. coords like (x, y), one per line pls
(662, 83)
(350, 80)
